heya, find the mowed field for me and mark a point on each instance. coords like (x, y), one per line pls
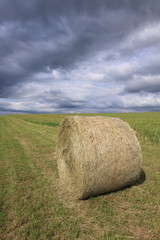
(32, 205)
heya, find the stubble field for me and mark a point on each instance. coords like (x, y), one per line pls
(32, 206)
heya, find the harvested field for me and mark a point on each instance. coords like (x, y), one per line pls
(32, 205)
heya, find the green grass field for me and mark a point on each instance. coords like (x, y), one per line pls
(32, 207)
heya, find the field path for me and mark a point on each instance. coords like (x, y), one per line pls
(32, 192)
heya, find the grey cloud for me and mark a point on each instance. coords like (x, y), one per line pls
(143, 84)
(58, 100)
(33, 8)
(70, 105)
(38, 37)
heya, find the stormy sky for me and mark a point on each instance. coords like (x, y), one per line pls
(71, 56)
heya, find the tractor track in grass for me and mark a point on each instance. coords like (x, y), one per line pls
(43, 160)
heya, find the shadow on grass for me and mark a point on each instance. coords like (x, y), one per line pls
(139, 181)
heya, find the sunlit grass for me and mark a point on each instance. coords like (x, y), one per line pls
(145, 124)
(33, 207)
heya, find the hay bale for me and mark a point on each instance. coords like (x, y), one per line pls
(97, 155)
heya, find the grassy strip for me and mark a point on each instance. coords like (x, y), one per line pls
(29, 209)
(51, 124)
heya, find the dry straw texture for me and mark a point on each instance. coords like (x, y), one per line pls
(97, 155)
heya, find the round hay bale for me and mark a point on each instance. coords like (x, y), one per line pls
(97, 155)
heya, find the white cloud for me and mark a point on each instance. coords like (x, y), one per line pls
(146, 36)
(133, 101)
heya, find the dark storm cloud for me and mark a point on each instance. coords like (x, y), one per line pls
(38, 37)
(70, 105)
(21, 9)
